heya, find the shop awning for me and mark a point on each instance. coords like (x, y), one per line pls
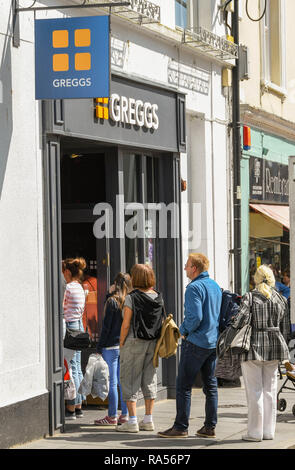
(276, 212)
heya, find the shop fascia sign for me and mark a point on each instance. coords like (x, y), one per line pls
(128, 110)
(268, 180)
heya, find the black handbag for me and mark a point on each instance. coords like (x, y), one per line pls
(76, 339)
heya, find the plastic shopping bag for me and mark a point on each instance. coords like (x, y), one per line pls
(100, 382)
(86, 384)
(70, 392)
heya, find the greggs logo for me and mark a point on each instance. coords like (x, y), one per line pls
(60, 39)
(80, 59)
(127, 110)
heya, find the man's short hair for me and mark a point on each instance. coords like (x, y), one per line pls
(142, 276)
(200, 261)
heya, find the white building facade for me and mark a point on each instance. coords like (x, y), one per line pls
(151, 46)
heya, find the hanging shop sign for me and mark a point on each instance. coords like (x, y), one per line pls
(72, 57)
(269, 181)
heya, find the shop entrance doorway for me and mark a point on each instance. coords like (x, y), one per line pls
(83, 186)
(78, 175)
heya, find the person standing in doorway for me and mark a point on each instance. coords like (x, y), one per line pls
(108, 346)
(73, 306)
(198, 350)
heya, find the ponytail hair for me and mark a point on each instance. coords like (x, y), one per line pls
(123, 286)
(264, 280)
(76, 266)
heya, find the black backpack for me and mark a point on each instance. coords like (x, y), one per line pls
(148, 315)
(229, 308)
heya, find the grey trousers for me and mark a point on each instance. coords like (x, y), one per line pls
(137, 370)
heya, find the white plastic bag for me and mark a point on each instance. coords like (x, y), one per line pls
(70, 392)
(96, 378)
(100, 382)
(86, 384)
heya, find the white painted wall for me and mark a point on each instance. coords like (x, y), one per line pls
(22, 335)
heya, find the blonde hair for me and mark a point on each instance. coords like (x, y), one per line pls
(200, 261)
(264, 280)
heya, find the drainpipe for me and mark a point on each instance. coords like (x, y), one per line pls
(236, 126)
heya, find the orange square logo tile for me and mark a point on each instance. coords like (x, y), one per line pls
(83, 61)
(82, 37)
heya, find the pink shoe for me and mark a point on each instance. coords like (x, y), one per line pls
(123, 419)
(107, 421)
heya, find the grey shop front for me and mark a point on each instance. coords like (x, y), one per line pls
(102, 152)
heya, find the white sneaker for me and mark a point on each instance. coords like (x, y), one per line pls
(249, 438)
(146, 426)
(128, 427)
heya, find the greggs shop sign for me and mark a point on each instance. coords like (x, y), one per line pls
(136, 114)
(72, 57)
(128, 110)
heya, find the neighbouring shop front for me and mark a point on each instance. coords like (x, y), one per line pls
(269, 216)
(100, 156)
(265, 218)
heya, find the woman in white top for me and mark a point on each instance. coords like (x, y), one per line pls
(73, 305)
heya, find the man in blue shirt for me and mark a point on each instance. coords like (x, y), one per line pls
(198, 350)
(284, 287)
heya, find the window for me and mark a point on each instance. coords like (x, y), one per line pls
(191, 14)
(181, 13)
(273, 45)
(140, 181)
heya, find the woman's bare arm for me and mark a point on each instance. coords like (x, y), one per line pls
(125, 325)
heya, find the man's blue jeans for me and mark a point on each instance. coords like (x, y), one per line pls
(194, 359)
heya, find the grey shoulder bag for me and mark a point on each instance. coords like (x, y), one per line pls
(241, 341)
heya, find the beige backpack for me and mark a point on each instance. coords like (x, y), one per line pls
(167, 343)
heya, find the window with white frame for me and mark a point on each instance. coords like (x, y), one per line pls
(274, 45)
(187, 13)
(181, 13)
(190, 14)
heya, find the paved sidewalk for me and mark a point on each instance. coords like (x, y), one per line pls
(232, 422)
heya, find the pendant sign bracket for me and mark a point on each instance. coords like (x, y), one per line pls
(16, 10)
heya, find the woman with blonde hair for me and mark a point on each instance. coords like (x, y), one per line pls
(269, 317)
(73, 306)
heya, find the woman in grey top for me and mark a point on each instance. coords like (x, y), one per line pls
(271, 329)
(142, 320)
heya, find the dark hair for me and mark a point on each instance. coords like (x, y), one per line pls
(286, 272)
(123, 285)
(143, 276)
(76, 267)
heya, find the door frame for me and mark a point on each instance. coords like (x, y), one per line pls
(53, 282)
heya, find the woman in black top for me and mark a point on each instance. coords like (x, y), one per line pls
(108, 346)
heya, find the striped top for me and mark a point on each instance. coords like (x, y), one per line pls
(74, 301)
(271, 326)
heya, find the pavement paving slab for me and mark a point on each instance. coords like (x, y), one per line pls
(232, 424)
